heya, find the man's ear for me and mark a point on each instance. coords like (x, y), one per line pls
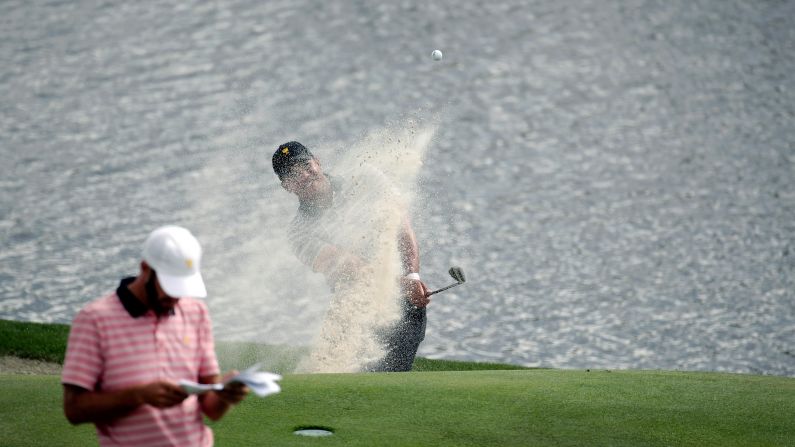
(145, 269)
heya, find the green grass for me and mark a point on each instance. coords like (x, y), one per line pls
(531, 407)
(467, 408)
(33, 340)
(31, 414)
(453, 404)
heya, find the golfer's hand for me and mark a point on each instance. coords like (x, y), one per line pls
(415, 291)
(233, 392)
(161, 394)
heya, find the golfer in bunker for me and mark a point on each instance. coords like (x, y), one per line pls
(349, 229)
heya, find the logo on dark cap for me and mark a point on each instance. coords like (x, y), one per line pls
(287, 155)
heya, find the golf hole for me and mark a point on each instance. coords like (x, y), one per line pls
(313, 431)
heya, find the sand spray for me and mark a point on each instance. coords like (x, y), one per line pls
(261, 293)
(378, 177)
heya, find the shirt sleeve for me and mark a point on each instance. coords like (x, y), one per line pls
(208, 365)
(83, 363)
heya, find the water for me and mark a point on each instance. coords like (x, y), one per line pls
(616, 178)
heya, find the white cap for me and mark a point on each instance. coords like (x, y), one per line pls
(175, 255)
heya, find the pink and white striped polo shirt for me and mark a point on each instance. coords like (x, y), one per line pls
(108, 350)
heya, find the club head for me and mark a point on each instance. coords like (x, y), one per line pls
(457, 274)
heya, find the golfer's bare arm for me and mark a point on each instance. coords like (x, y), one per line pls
(409, 249)
(82, 405)
(414, 290)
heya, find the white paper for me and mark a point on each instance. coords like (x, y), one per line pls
(199, 388)
(261, 383)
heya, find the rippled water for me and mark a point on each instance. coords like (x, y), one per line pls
(616, 177)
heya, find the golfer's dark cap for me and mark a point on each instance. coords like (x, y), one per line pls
(288, 155)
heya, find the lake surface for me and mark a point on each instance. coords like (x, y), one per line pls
(617, 178)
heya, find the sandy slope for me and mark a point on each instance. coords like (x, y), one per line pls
(16, 365)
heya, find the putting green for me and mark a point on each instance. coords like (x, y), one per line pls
(467, 408)
(535, 407)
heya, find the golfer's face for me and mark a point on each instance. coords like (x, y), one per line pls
(305, 178)
(166, 302)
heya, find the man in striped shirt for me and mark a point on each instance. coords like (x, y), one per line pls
(127, 351)
(321, 237)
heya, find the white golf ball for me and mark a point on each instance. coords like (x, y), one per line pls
(436, 55)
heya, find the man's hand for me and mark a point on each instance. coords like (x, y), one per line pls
(415, 291)
(233, 392)
(216, 403)
(161, 394)
(82, 405)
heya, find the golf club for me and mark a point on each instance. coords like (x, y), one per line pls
(457, 275)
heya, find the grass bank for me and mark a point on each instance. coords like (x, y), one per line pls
(466, 408)
(47, 342)
(36, 341)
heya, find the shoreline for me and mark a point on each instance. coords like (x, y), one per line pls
(16, 365)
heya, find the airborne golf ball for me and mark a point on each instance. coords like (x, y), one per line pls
(436, 55)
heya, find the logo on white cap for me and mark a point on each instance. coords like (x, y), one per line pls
(175, 254)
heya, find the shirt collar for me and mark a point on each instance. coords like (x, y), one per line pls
(131, 304)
